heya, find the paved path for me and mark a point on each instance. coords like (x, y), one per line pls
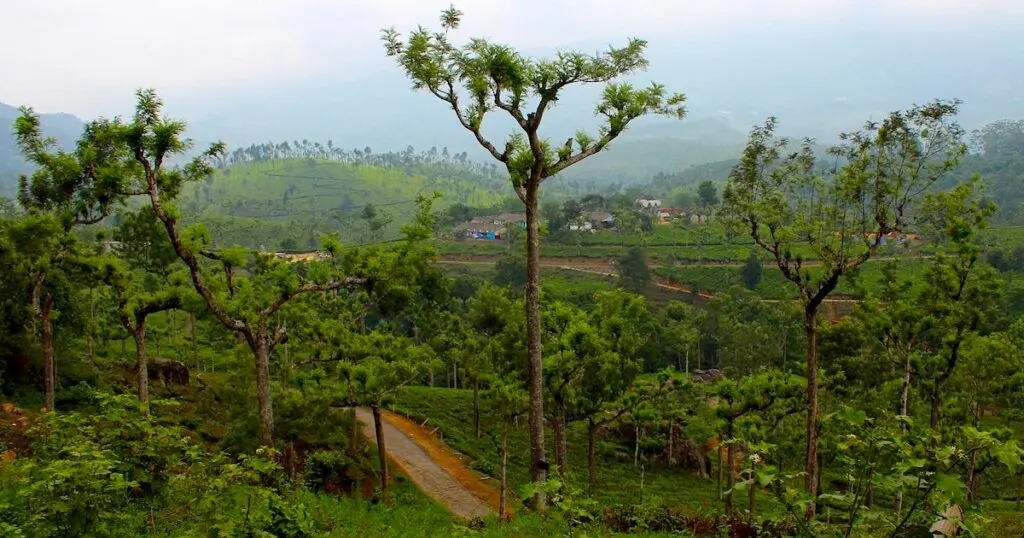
(422, 469)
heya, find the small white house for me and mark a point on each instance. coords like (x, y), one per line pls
(649, 204)
(584, 225)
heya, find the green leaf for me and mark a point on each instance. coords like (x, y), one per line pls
(950, 485)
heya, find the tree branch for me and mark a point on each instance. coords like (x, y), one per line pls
(310, 288)
(453, 99)
(171, 225)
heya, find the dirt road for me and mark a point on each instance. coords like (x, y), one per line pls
(432, 467)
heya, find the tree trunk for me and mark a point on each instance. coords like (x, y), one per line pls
(195, 341)
(503, 477)
(92, 325)
(141, 362)
(476, 407)
(817, 500)
(730, 477)
(936, 400)
(636, 445)
(751, 499)
(1020, 488)
(560, 448)
(973, 476)
(263, 388)
(381, 450)
(671, 443)
(904, 411)
(811, 465)
(592, 456)
(538, 461)
(49, 361)
(721, 472)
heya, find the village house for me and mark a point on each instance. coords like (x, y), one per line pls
(594, 220)
(648, 204)
(668, 214)
(491, 227)
(480, 228)
(505, 219)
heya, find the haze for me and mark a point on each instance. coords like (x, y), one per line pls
(244, 72)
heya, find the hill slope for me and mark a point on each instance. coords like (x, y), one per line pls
(64, 127)
(290, 201)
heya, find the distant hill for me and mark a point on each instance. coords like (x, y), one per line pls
(288, 202)
(64, 127)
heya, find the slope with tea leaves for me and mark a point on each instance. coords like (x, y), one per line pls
(292, 200)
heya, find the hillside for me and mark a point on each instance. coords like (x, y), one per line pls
(64, 127)
(290, 201)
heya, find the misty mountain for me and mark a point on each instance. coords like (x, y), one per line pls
(818, 80)
(64, 127)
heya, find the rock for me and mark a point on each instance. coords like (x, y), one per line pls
(168, 371)
(707, 376)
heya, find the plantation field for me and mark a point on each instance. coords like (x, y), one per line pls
(262, 203)
(773, 285)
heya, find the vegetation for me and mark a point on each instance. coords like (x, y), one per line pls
(796, 348)
(483, 71)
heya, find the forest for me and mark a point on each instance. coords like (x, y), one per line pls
(286, 340)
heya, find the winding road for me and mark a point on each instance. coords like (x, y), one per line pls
(431, 465)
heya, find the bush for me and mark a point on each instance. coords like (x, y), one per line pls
(334, 471)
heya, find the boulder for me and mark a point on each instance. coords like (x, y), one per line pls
(168, 371)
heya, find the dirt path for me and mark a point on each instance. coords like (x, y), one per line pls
(432, 466)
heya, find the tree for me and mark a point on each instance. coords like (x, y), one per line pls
(552, 214)
(67, 190)
(634, 273)
(707, 193)
(489, 313)
(1003, 138)
(960, 293)
(52, 260)
(484, 76)
(752, 272)
(138, 151)
(507, 401)
(758, 396)
(838, 215)
(382, 363)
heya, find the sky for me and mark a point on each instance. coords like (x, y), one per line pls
(86, 57)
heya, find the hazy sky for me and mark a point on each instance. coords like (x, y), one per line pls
(87, 56)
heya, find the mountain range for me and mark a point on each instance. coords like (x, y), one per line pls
(65, 128)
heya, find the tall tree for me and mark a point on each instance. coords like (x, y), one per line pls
(838, 215)
(383, 364)
(245, 305)
(634, 273)
(960, 292)
(68, 190)
(752, 271)
(51, 259)
(483, 76)
(707, 193)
